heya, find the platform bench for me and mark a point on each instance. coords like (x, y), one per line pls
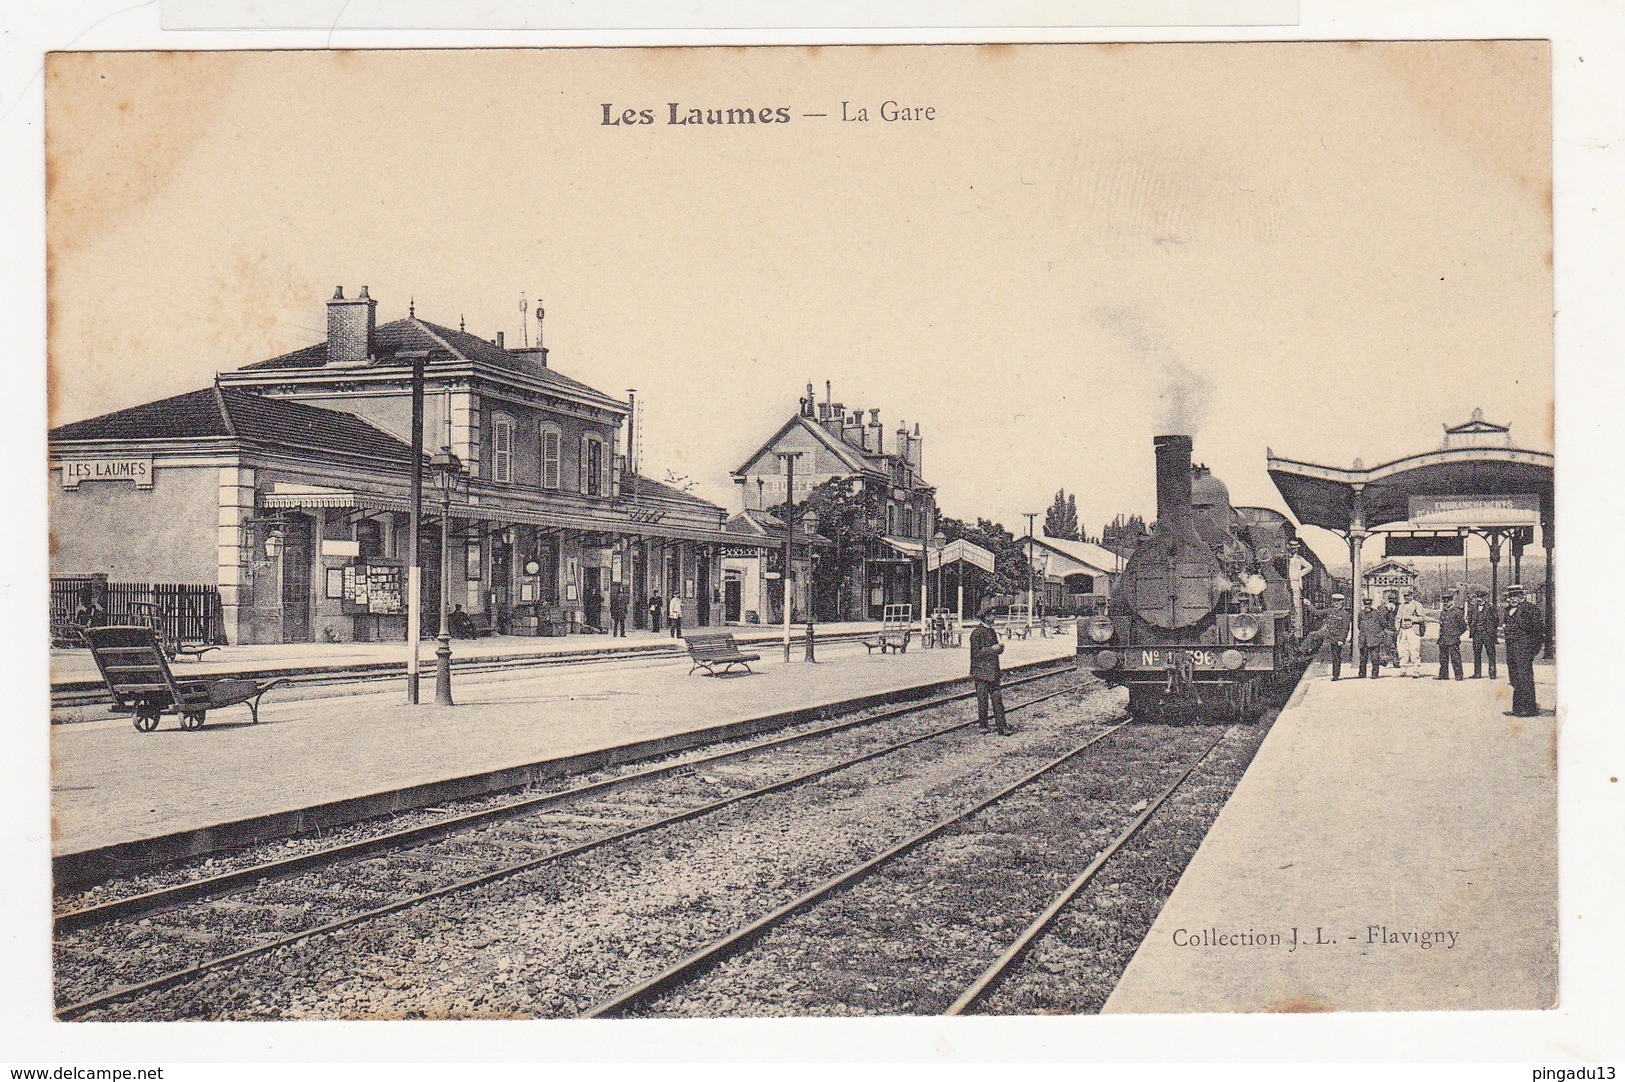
(716, 652)
(137, 674)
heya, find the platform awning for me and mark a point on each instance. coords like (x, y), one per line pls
(1324, 496)
(612, 521)
(960, 551)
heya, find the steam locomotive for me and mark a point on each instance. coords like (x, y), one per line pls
(1201, 617)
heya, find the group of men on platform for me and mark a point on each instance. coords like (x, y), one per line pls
(1391, 634)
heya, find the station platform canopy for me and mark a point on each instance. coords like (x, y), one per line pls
(1475, 480)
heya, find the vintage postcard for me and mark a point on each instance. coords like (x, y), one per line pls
(802, 532)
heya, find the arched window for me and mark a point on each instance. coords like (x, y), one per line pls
(552, 456)
(502, 449)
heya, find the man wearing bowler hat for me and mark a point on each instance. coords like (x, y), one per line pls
(1526, 634)
(985, 649)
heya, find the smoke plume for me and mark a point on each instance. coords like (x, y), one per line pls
(1182, 390)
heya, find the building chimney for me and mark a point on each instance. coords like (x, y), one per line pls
(351, 327)
(852, 430)
(1173, 478)
(834, 419)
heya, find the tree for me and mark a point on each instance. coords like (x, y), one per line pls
(1061, 520)
(852, 517)
(1123, 536)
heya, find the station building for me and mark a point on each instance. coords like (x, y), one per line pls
(285, 486)
(1073, 576)
(835, 444)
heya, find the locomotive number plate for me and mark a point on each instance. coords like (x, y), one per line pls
(1142, 658)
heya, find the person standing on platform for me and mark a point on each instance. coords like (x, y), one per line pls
(674, 616)
(1412, 624)
(617, 610)
(1483, 626)
(1526, 634)
(985, 649)
(1373, 639)
(1452, 626)
(1333, 635)
(657, 610)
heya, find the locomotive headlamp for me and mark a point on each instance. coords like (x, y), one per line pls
(1256, 585)
(1100, 629)
(1106, 660)
(1232, 659)
(1244, 628)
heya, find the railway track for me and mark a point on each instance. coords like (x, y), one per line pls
(751, 970)
(183, 931)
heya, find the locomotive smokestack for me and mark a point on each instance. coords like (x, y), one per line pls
(1173, 477)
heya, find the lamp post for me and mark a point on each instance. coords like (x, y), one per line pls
(810, 518)
(448, 474)
(940, 539)
(1030, 516)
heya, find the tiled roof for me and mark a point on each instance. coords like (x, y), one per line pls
(637, 486)
(216, 412)
(442, 344)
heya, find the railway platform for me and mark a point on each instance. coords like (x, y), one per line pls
(1393, 847)
(115, 790)
(74, 668)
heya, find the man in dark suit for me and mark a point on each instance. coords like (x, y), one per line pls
(1328, 639)
(1483, 626)
(1452, 626)
(1526, 634)
(1373, 639)
(985, 649)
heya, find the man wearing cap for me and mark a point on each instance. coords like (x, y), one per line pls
(1452, 626)
(1526, 634)
(985, 649)
(1483, 627)
(1373, 639)
(1328, 639)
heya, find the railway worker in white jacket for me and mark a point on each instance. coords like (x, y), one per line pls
(1412, 621)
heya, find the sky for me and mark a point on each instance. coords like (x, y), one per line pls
(1330, 250)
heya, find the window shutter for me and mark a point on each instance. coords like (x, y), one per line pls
(551, 449)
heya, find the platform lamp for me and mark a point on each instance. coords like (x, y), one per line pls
(809, 522)
(939, 539)
(449, 476)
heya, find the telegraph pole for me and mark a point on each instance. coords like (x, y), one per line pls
(414, 575)
(789, 458)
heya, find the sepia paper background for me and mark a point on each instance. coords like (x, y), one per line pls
(1328, 248)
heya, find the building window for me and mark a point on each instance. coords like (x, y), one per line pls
(502, 451)
(552, 457)
(592, 465)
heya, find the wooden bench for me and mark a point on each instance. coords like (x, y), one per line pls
(710, 652)
(896, 627)
(137, 673)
